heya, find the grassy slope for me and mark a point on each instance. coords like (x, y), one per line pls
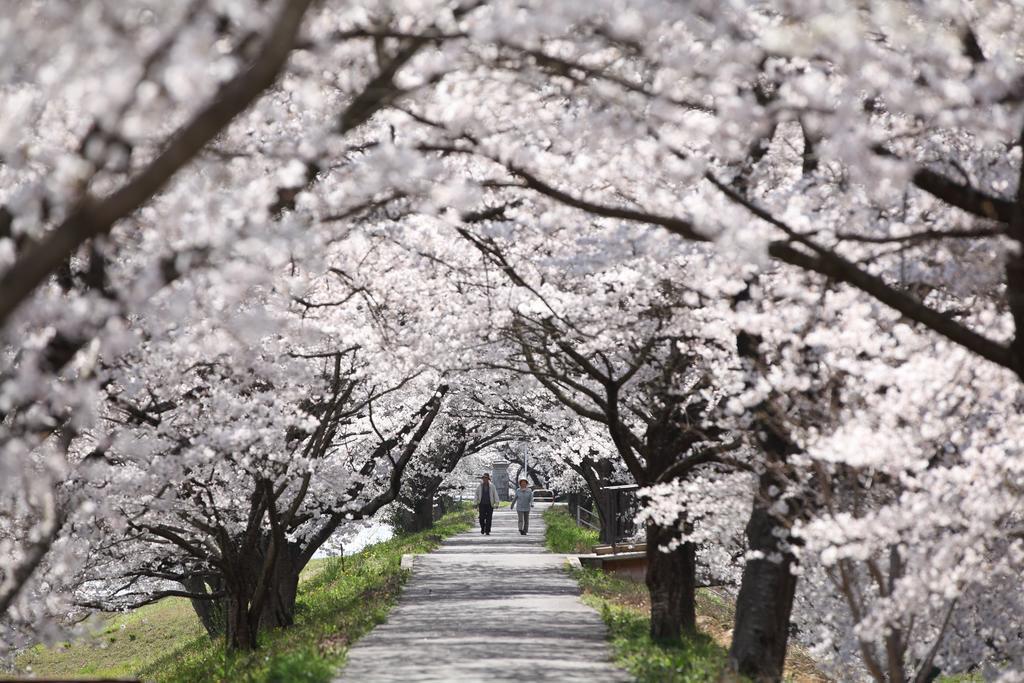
(339, 601)
(564, 536)
(625, 607)
(121, 645)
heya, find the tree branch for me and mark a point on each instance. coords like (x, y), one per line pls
(92, 217)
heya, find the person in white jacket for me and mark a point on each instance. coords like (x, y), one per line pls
(486, 499)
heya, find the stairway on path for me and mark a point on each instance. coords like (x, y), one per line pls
(487, 608)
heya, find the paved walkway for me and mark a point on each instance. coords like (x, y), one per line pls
(487, 608)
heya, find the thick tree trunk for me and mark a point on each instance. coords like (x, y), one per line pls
(420, 500)
(279, 607)
(672, 583)
(765, 599)
(278, 611)
(212, 613)
(242, 628)
(422, 514)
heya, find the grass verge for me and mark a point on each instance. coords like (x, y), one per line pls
(340, 600)
(625, 607)
(563, 535)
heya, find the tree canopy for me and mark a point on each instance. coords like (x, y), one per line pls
(268, 267)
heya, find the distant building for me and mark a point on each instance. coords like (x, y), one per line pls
(499, 477)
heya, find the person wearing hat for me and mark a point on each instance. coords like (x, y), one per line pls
(486, 497)
(522, 501)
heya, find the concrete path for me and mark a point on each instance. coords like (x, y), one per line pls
(487, 608)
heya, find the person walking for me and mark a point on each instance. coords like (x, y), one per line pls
(486, 498)
(522, 501)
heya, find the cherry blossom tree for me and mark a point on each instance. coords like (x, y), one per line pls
(124, 126)
(772, 249)
(647, 378)
(469, 426)
(240, 444)
(822, 155)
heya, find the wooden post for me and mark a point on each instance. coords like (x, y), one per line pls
(608, 533)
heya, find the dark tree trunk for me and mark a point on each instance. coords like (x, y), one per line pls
(600, 503)
(765, 599)
(768, 586)
(672, 583)
(212, 613)
(420, 500)
(422, 514)
(242, 622)
(444, 504)
(421, 505)
(597, 475)
(242, 627)
(279, 607)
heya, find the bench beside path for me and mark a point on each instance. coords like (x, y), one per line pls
(487, 608)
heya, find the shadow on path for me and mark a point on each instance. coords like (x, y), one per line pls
(487, 608)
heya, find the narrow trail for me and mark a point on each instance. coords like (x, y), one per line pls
(487, 608)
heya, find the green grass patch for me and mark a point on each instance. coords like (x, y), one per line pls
(623, 592)
(563, 535)
(340, 600)
(696, 658)
(120, 646)
(623, 605)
